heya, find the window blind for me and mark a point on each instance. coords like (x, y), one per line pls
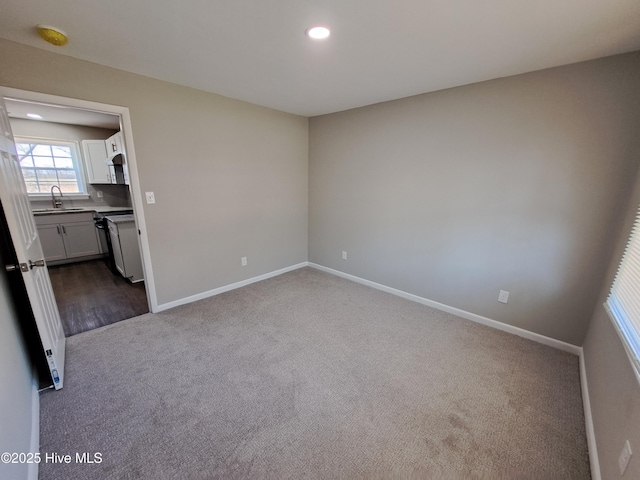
(623, 303)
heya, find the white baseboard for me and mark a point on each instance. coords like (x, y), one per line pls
(536, 337)
(226, 288)
(588, 422)
(552, 342)
(32, 472)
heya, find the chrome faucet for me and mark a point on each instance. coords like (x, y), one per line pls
(57, 202)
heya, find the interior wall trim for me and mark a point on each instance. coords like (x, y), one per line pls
(34, 447)
(588, 422)
(226, 288)
(521, 332)
(536, 337)
(134, 181)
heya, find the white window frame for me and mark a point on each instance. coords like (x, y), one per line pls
(78, 162)
(623, 303)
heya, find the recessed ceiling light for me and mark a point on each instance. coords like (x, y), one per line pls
(318, 33)
(34, 115)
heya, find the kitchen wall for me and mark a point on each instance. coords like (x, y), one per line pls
(230, 178)
(112, 195)
(16, 401)
(614, 391)
(510, 184)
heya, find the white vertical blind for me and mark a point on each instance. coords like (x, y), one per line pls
(623, 303)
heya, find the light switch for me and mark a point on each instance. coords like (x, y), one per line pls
(151, 198)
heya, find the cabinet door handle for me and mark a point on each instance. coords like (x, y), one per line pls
(58, 227)
(64, 230)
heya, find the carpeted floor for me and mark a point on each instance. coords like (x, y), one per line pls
(307, 375)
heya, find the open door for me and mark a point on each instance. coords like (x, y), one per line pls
(31, 265)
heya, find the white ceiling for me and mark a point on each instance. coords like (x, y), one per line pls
(59, 114)
(379, 50)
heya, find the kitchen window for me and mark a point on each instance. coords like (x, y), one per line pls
(623, 304)
(48, 163)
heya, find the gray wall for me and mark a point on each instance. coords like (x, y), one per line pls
(230, 178)
(515, 184)
(17, 386)
(613, 388)
(508, 184)
(112, 195)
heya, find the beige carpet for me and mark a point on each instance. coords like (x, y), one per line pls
(307, 375)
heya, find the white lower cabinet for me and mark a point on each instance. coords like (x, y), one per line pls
(52, 242)
(67, 237)
(126, 251)
(80, 239)
(117, 251)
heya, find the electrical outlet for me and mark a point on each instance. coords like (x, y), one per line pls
(625, 456)
(151, 198)
(503, 296)
(243, 261)
(344, 255)
(99, 194)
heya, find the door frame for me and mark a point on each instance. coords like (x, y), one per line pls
(134, 179)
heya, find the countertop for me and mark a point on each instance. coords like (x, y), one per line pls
(120, 218)
(106, 209)
(63, 211)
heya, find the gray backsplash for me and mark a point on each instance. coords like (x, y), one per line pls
(112, 196)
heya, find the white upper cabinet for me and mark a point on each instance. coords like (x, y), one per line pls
(114, 144)
(95, 160)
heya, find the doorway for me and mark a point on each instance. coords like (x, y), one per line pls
(89, 291)
(89, 295)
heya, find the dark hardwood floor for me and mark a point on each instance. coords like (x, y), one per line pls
(90, 296)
